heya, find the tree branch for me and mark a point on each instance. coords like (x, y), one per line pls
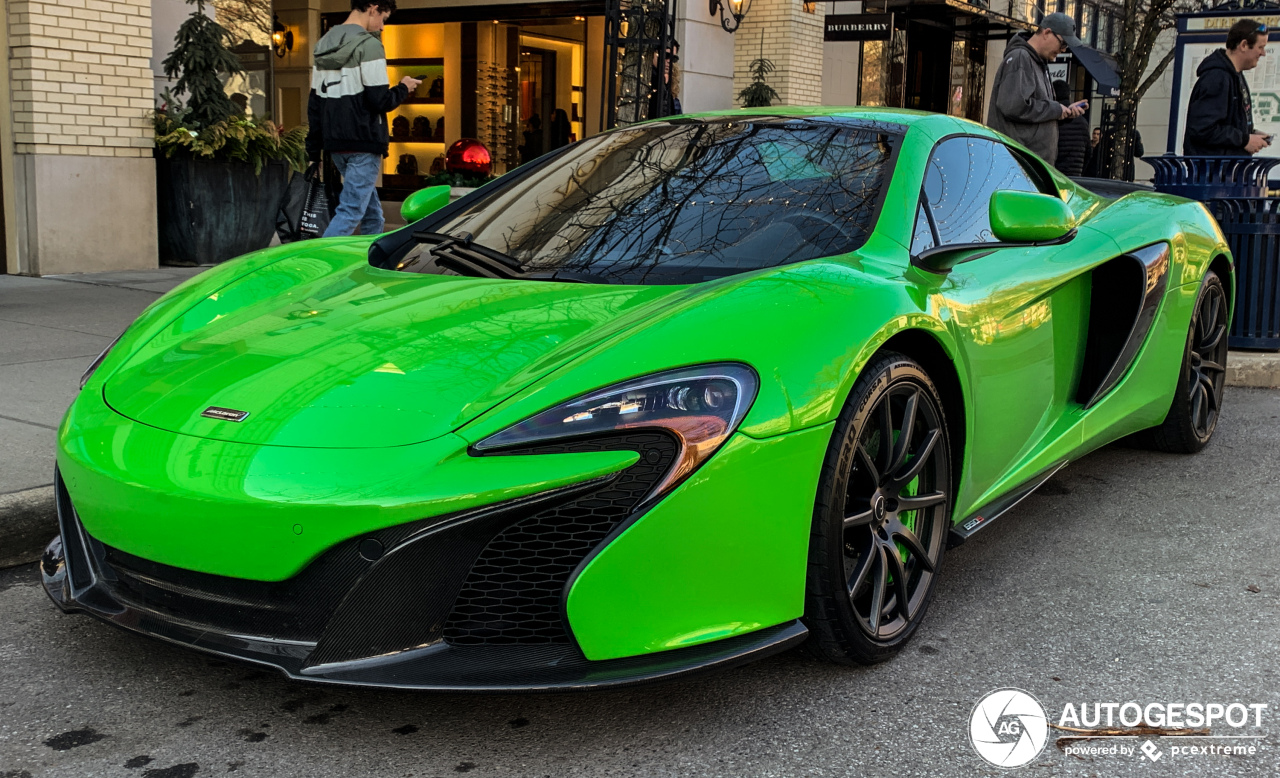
(1156, 73)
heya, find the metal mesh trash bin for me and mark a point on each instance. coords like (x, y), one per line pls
(1204, 178)
(1252, 227)
(1235, 189)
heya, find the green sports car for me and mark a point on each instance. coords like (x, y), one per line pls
(674, 397)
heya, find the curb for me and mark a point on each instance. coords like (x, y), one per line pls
(1253, 368)
(28, 521)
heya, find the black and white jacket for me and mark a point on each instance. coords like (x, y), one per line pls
(350, 96)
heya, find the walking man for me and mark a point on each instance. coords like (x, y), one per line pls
(348, 109)
(1022, 101)
(1220, 112)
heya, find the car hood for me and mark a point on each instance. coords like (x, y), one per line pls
(323, 353)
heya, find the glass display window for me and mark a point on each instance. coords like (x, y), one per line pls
(552, 88)
(417, 127)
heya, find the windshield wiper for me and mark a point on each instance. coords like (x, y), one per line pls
(461, 254)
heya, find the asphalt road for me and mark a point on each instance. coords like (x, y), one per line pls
(1129, 577)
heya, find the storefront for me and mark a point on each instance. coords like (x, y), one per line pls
(941, 55)
(522, 79)
(934, 58)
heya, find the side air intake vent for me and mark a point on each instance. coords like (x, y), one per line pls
(1124, 297)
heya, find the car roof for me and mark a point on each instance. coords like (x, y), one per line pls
(932, 123)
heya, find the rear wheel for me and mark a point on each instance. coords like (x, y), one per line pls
(1198, 398)
(882, 515)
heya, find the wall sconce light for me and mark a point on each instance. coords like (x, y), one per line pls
(736, 9)
(810, 6)
(281, 37)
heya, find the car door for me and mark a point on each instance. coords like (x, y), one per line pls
(1018, 315)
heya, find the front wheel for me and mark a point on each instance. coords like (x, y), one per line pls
(1198, 398)
(882, 515)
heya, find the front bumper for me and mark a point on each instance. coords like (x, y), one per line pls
(471, 601)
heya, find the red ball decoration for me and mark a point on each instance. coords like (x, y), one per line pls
(468, 156)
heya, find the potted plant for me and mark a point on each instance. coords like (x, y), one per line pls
(220, 174)
(758, 94)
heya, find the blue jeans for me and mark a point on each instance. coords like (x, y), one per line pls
(359, 203)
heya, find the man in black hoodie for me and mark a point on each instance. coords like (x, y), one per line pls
(1220, 113)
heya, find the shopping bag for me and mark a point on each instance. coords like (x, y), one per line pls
(316, 212)
(289, 215)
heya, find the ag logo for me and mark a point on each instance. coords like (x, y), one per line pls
(1008, 728)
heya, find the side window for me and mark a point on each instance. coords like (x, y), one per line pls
(960, 177)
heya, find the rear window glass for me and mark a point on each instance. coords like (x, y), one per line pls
(675, 203)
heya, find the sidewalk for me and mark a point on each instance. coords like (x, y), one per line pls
(51, 329)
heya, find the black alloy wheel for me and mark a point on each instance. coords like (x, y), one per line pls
(882, 516)
(1197, 401)
(1208, 359)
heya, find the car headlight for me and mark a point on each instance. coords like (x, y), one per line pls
(701, 406)
(84, 379)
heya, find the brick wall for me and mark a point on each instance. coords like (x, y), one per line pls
(792, 39)
(81, 77)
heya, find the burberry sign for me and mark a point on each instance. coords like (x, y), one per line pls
(858, 27)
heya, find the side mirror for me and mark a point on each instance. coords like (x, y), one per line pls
(1029, 217)
(424, 202)
(1017, 219)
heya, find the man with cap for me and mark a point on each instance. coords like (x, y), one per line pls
(1022, 100)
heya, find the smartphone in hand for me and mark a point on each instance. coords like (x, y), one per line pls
(1080, 104)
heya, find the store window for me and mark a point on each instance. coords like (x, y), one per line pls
(418, 126)
(249, 25)
(552, 92)
(1027, 10)
(968, 77)
(519, 86)
(1088, 24)
(883, 71)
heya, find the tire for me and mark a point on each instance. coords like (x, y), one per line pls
(862, 532)
(1198, 397)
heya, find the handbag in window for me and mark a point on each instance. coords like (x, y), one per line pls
(400, 128)
(408, 165)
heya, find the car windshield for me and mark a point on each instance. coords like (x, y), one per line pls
(675, 203)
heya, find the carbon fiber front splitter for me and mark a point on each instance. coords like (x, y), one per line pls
(76, 583)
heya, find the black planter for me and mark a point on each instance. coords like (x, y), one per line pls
(213, 211)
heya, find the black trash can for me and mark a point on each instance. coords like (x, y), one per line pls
(1204, 178)
(1252, 227)
(1235, 191)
